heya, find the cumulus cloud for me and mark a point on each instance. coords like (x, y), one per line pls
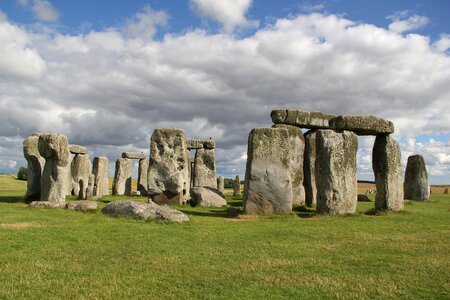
(42, 10)
(230, 13)
(145, 23)
(404, 21)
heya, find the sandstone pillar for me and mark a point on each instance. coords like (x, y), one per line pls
(142, 177)
(100, 171)
(205, 168)
(122, 177)
(309, 168)
(416, 186)
(35, 167)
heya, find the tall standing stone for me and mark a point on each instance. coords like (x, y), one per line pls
(416, 186)
(80, 169)
(205, 168)
(168, 167)
(296, 153)
(35, 164)
(221, 184)
(89, 194)
(142, 177)
(122, 177)
(100, 171)
(309, 168)
(336, 171)
(387, 167)
(267, 186)
(55, 178)
(237, 187)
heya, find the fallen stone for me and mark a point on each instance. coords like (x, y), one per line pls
(77, 149)
(362, 125)
(205, 168)
(122, 177)
(100, 171)
(200, 144)
(363, 198)
(416, 185)
(133, 155)
(82, 205)
(35, 167)
(142, 177)
(221, 184)
(46, 204)
(144, 211)
(302, 119)
(309, 168)
(207, 197)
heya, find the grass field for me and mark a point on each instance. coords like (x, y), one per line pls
(59, 254)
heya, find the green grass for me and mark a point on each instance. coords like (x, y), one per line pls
(59, 254)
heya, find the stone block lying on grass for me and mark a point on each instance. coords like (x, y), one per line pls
(46, 204)
(82, 205)
(207, 197)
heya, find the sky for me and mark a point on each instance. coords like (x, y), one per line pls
(107, 73)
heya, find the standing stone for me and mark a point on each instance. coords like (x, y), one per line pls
(309, 168)
(168, 168)
(237, 187)
(336, 171)
(100, 171)
(90, 188)
(81, 168)
(205, 168)
(297, 150)
(221, 184)
(35, 167)
(267, 186)
(54, 182)
(387, 167)
(189, 181)
(122, 177)
(416, 186)
(142, 177)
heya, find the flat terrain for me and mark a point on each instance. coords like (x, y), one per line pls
(59, 254)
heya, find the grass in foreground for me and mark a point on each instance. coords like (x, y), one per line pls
(63, 254)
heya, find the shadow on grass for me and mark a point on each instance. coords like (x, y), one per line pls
(304, 211)
(230, 212)
(11, 199)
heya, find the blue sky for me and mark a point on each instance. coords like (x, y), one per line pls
(106, 73)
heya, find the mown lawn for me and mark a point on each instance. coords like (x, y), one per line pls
(59, 254)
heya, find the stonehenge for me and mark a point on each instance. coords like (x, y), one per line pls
(122, 177)
(35, 164)
(221, 184)
(237, 187)
(100, 168)
(416, 186)
(80, 170)
(205, 168)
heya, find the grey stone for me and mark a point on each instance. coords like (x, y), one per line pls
(168, 167)
(237, 187)
(35, 167)
(205, 168)
(363, 198)
(133, 155)
(336, 171)
(416, 186)
(387, 167)
(362, 125)
(188, 180)
(309, 168)
(55, 181)
(122, 177)
(267, 186)
(46, 204)
(77, 149)
(142, 177)
(302, 119)
(144, 211)
(80, 169)
(200, 144)
(90, 187)
(296, 153)
(100, 171)
(221, 184)
(82, 205)
(207, 197)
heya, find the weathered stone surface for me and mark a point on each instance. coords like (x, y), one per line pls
(416, 186)
(267, 186)
(133, 155)
(100, 171)
(387, 167)
(188, 181)
(221, 184)
(200, 144)
(302, 119)
(46, 204)
(168, 167)
(55, 181)
(336, 171)
(207, 197)
(362, 125)
(82, 205)
(35, 167)
(205, 168)
(237, 187)
(77, 149)
(363, 198)
(81, 168)
(296, 153)
(142, 177)
(144, 211)
(90, 187)
(309, 168)
(122, 177)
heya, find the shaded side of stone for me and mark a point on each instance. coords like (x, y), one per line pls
(122, 177)
(142, 177)
(302, 119)
(362, 125)
(89, 194)
(309, 168)
(205, 168)
(80, 169)
(416, 185)
(200, 144)
(221, 184)
(35, 167)
(237, 187)
(100, 171)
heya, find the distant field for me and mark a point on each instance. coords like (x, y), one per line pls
(220, 254)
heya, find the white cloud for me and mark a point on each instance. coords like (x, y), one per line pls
(309, 7)
(12, 163)
(443, 44)
(145, 23)
(403, 21)
(42, 10)
(230, 13)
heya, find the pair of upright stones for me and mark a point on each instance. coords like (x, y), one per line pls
(122, 175)
(278, 157)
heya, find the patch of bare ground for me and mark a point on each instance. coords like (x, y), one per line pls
(22, 225)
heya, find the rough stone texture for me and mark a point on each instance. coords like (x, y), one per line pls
(362, 125)
(82, 205)
(237, 187)
(200, 144)
(221, 184)
(168, 167)
(46, 204)
(309, 168)
(122, 177)
(80, 169)
(144, 211)
(267, 186)
(55, 179)
(90, 188)
(205, 168)
(387, 167)
(416, 186)
(300, 118)
(142, 177)
(207, 197)
(77, 149)
(133, 155)
(188, 181)
(296, 153)
(336, 171)
(35, 165)
(100, 171)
